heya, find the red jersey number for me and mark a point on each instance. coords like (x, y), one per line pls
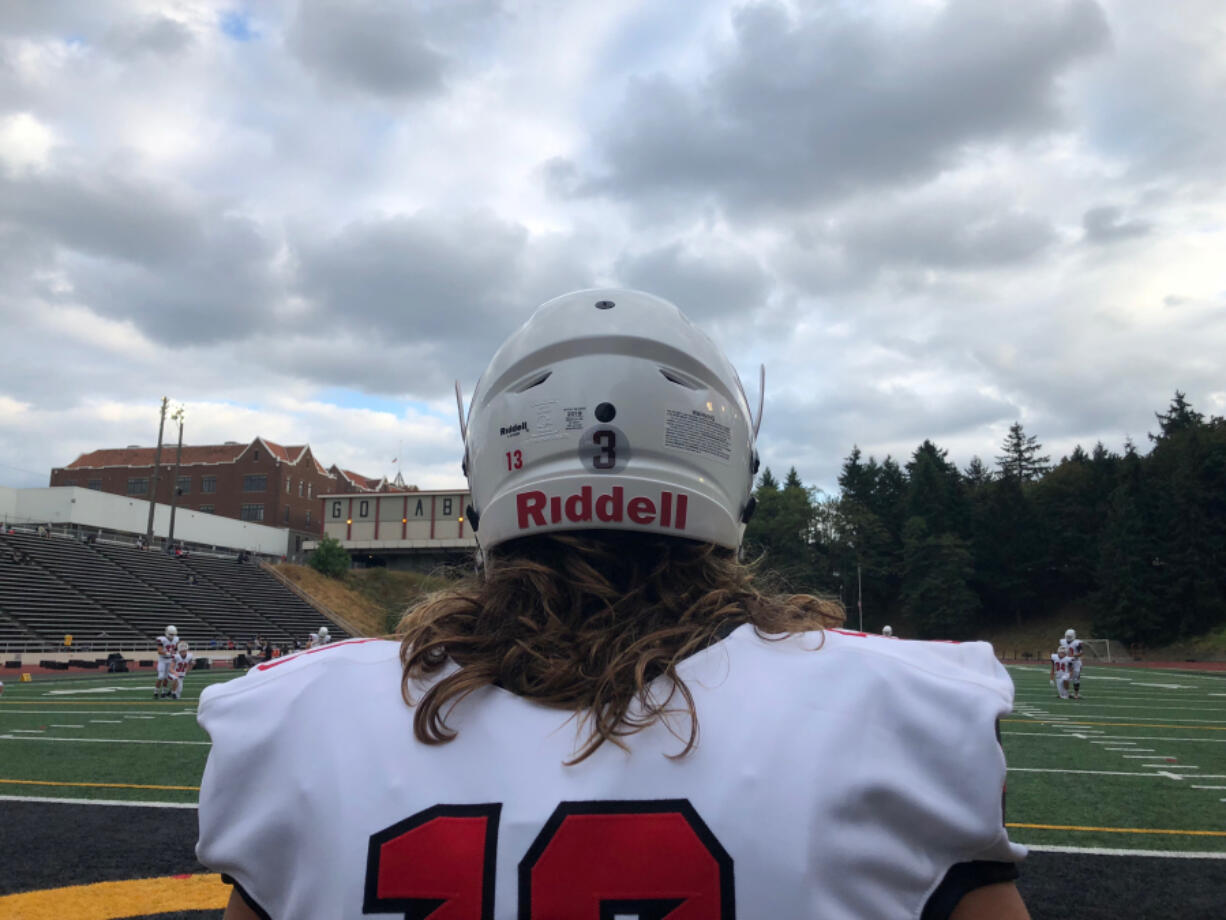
(591, 861)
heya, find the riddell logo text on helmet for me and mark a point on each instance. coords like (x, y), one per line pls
(536, 509)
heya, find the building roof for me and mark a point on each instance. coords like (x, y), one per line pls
(216, 454)
(144, 456)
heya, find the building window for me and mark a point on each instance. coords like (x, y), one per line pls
(251, 513)
(95, 484)
(287, 515)
(255, 455)
(70, 482)
(207, 509)
(308, 490)
(363, 509)
(208, 483)
(184, 485)
(289, 483)
(308, 519)
(300, 488)
(138, 486)
(255, 483)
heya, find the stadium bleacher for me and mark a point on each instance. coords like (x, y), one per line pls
(113, 595)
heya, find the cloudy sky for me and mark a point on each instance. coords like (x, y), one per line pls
(304, 219)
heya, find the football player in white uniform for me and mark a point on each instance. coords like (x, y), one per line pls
(323, 637)
(887, 631)
(1060, 667)
(180, 664)
(166, 650)
(1075, 649)
(531, 747)
(312, 639)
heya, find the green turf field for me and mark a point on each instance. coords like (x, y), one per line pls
(1138, 764)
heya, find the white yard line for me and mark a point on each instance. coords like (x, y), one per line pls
(106, 721)
(1109, 851)
(53, 725)
(1171, 766)
(102, 740)
(55, 801)
(31, 731)
(1209, 787)
(77, 712)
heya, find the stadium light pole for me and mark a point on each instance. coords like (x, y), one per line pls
(860, 596)
(176, 416)
(157, 463)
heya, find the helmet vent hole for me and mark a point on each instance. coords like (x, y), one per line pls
(605, 305)
(674, 377)
(534, 382)
(605, 412)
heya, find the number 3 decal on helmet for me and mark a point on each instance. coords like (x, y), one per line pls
(680, 459)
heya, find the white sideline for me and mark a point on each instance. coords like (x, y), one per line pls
(55, 801)
(4, 737)
(1108, 851)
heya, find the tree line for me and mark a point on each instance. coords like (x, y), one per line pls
(1138, 539)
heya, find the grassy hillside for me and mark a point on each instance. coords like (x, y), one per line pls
(1041, 633)
(372, 599)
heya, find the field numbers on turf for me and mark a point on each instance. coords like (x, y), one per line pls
(632, 858)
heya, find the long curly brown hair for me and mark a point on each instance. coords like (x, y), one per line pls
(586, 622)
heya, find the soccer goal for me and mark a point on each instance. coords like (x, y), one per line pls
(1104, 649)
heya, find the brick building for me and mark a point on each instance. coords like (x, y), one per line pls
(260, 481)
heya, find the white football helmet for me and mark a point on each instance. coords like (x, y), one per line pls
(608, 410)
(323, 632)
(184, 647)
(1070, 634)
(887, 630)
(171, 632)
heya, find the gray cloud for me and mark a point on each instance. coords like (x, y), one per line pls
(104, 215)
(815, 107)
(181, 270)
(706, 285)
(1106, 224)
(155, 35)
(426, 276)
(374, 47)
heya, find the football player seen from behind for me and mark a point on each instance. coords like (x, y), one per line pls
(180, 664)
(887, 631)
(312, 639)
(531, 744)
(323, 637)
(166, 651)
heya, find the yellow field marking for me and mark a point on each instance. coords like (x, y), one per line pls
(116, 900)
(1202, 728)
(47, 782)
(1117, 830)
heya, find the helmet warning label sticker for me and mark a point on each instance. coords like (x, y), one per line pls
(698, 432)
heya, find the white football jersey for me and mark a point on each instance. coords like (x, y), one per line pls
(180, 664)
(1062, 664)
(166, 647)
(836, 776)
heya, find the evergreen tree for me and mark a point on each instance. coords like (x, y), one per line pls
(1129, 606)
(781, 529)
(1020, 457)
(936, 597)
(934, 491)
(977, 474)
